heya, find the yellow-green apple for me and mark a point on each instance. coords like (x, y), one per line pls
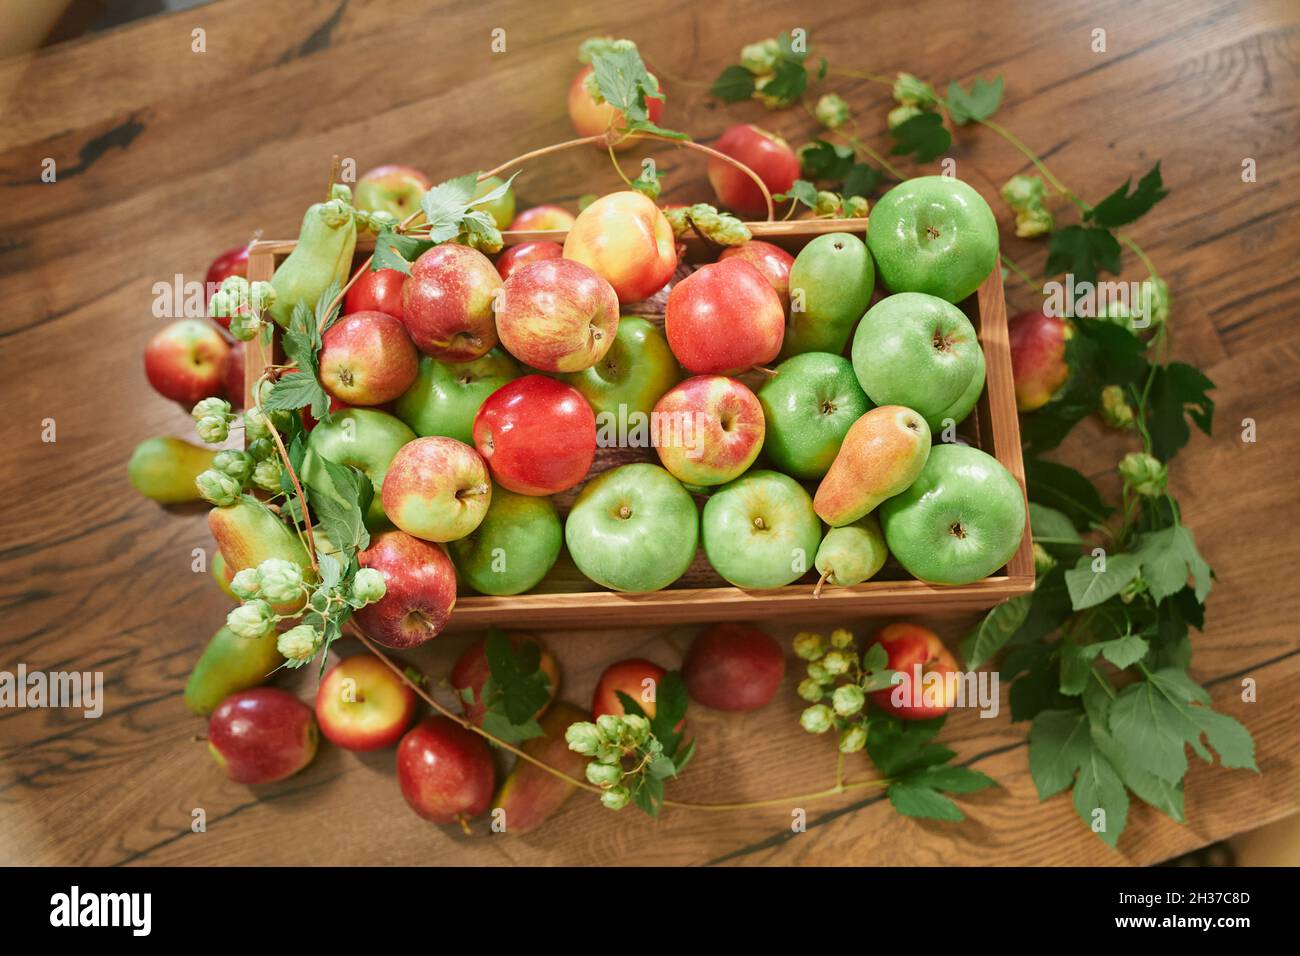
(851, 553)
(635, 677)
(633, 528)
(592, 115)
(809, 406)
(471, 672)
(501, 209)
(367, 358)
(708, 429)
(557, 315)
(831, 283)
(232, 262)
(164, 469)
(882, 454)
(530, 795)
(542, 219)
(723, 318)
(526, 252)
(1037, 357)
(636, 371)
(537, 435)
(772, 261)
(362, 705)
(766, 154)
(961, 519)
(933, 234)
(420, 590)
(437, 489)
(916, 653)
(361, 438)
(760, 531)
(733, 667)
(447, 303)
(183, 361)
(394, 189)
(514, 547)
(445, 396)
(625, 238)
(917, 350)
(232, 376)
(445, 771)
(376, 291)
(262, 735)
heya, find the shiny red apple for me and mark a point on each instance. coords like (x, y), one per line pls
(733, 667)
(232, 376)
(447, 303)
(183, 361)
(542, 218)
(766, 154)
(557, 315)
(537, 435)
(772, 261)
(1037, 357)
(366, 358)
(377, 291)
(917, 650)
(362, 705)
(723, 318)
(262, 735)
(445, 771)
(232, 262)
(526, 252)
(421, 590)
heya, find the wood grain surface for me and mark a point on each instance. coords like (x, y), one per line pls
(166, 157)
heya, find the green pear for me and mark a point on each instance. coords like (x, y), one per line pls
(164, 469)
(248, 533)
(514, 545)
(830, 288)
(851, 554)
(229, 663)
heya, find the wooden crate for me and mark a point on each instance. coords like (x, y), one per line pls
(566, 599)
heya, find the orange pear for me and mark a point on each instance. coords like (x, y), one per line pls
(881, 455)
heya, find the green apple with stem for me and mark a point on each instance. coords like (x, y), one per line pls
(445, 396)
(513, 548)
(634, 374)
(362, 438)
(809, 405)
(760, 531)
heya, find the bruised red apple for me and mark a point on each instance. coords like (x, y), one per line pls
(636, 677)
(447, 303)
(526, 252)
(445, 771)
(772, 261)
(437, 489)
(708, 429)
(766, 154)
(557, 315)
(537, 435)
(542, 218)
(183, 361)
(1037, 357)
(733, 667)
(472, 670)
(232, 262)
(362, 705)
(592, 115)
(914, 650)
(625, 238)
(377, 291)
(367, 359)
(262, 735)
(724, 318)
(393, 189)
(232, 375)
(420, 583)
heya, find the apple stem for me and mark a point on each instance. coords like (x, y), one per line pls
(464, 825)
(817, 589)
(769, 372)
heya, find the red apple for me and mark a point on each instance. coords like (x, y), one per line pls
(232, 262)
(542, 218)
(708, 429)
(526, 252)
(637, 678)
(394, 189)
(362, 705)
(472, 671)
(592, 117)
(723, 318)
(445, 771)
(447, 303)
(183, 362)
(378, 291)
(1037, 357)
(625, 237)
(262, 735)
(733, 667)
(537, 435)
(437, 489)
(367, 358)
(421, 589)
(232, 375)
(772, 261)
(557, 316)
(766, 154)
(910, 647)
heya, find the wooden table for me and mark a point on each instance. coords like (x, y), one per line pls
(166, 156)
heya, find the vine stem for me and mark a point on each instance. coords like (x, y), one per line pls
(297, 487)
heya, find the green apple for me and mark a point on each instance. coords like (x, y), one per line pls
(501, 209)
(514, 546)
(363, 438)
(760, 531)
(830, 287)
(933, 234)
(919, 351)
(810, 404)
(960, 521)
(445, 396)
(634, 374)
(633, 528)
(958, 410)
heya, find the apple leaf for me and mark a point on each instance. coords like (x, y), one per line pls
(924, 136)
(1123, 207)
(979, 103)
(733, 85)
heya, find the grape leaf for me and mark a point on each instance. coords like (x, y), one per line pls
(733, 84)
(979, 103)
(924, 136)
(1123, 207)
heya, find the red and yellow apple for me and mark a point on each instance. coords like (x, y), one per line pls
(910, 647)
(183, 361)
(232, 262)
(537, 435)
(447, 303)
(708, 429)
(377, 291)
(766, 154)
(542, 218)
(592, 115)
(625, 238)
(232, 376)
(445, 771)
(636, 677)
(1037, 357)
(772, 261)
(362, 705)
(437, 489)
(557, 315)
(393, 189)
(262, 735)
(420, 583)
(723, 318)
(367, 358)
(518, 256)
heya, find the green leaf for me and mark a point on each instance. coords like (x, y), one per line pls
(1039, 688)
(625, 83)
(648, 794)
(293, 391)
(951, 779)
(898, 747)
(670, 710)
(1089, 587)
(823, 160)
(331, 569)
(875, 658)
(1177, 391)
(1165, 796)
(1123, 207)
(801, 191)
(446, 205)
(499, 725)
(862, 180)
(1083, 251)
(1076, 667)
(1066, 490)
(394, 251)
(1054, 530)
(1169, 557)
(1058, 746)
(518, 687)
(1099, 787)
(785, 43)
(916, 800)
(979, 103)
(924, 136)
(339, 496)
(997, 627)
(1124, 651)
(733, 84)
(1155, 728)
